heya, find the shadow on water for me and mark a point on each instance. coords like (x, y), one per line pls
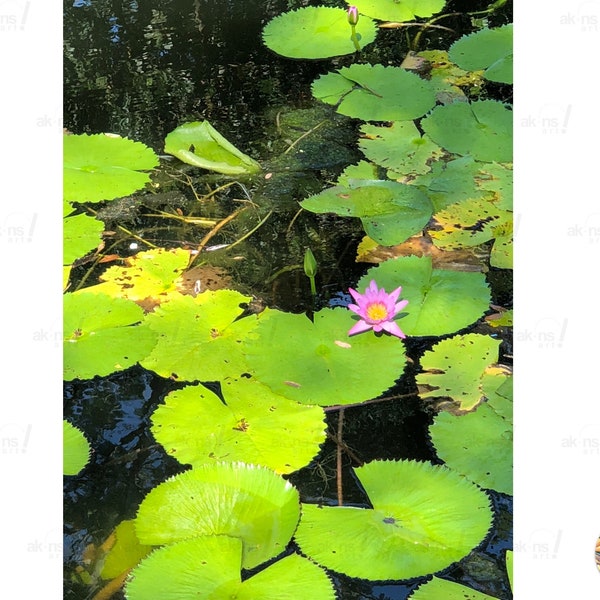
(140, 69)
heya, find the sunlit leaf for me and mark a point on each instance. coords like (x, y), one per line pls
(424, 518)
(253, 425)
(201, 145)
(81, 234)
(200, 338)
(126, 551)
(482, 129)
(210, 567)
(102, 335)
(455, 367)
(442, 589)
(76, 449)
(100, 167)
(316, 32)
(375, 93)
(490, 49)
(399, 10)
(243, 501)
(318, 363)
(440, 301)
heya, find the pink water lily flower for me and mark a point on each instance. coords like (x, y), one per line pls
(377, 310)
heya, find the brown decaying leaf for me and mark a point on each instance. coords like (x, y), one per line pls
(210, 278)
(466, 259)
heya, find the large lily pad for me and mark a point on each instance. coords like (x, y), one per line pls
(318, 363)
(101, 167)
(440, 301)
(316, 32)
(201, 145)
(200, 338)
(399, 147)
(424, 518)
(243, 501)
(455, 368)
(489, 49)
(81, 234)
(390, 212)
(375, 93)
(102, 335)
(441, 589)
(482, 129)
(76, 449)
(400, 10)
(478, 444)
(210, 567)
(253, 425)
(126, 551)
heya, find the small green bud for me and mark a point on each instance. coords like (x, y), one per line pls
(310, 263)
(352, 15)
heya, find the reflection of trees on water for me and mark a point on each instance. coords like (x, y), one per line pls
(141, 69)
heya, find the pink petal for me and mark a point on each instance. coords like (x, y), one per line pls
(392, 327)
(400, 306)
(359, 327)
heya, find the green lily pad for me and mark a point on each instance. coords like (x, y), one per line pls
(200, 338)
(210, 567)
(490, 49)
(482, 129)
(509, 567)
(455, 367)
(400, 10)
(424, 518)
(253, 425)
(441, 589)
(101, 167)
(316, 32)
(126, 551)
(390, 212)
(149, 275)
(102, 335)
(248, 502)
(318, 363)
(76, 449)
(201, 145)
(81, 234)
(440, 301)
(361, 170)
(478, 445)
(399, 148)
(375, 93)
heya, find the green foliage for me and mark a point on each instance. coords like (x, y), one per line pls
(440, 301)
(316, 32)
(399, 10)
(390, 212)
(455, 368)
(253, 425)
(317, 363)
(126, 552)
(242, 501)
(201, 145)
(102, 335)
(430, 518)
(76, 449)
(80, 235)
(489, 49)
(441, 589)
(102, 167)
(375, 93)
(481, 129)
(200, 338)
(210, 567)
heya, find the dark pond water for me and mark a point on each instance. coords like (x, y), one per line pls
(139, 69)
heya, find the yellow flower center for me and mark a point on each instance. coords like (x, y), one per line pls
(377, 311)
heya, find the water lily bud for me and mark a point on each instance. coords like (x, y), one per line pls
(352, 15)
(310, 263)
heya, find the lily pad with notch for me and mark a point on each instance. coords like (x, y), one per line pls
(400, 10)
(424, 518)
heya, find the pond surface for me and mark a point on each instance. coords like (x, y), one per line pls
(140, 70)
